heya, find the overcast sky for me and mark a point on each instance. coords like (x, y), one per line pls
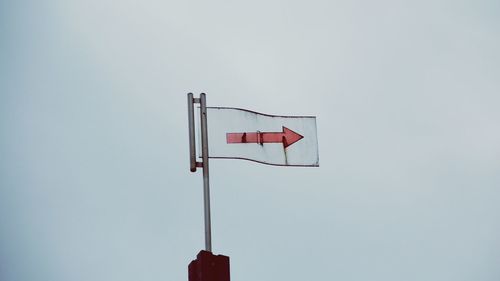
(94, 168)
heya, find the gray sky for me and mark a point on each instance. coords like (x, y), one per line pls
(94, 172)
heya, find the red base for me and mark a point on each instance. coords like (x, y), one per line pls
(209, 267)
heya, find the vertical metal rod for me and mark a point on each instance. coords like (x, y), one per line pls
(192, 142)
(206, 186)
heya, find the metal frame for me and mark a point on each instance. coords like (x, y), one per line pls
(204, 150)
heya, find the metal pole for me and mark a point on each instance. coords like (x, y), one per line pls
(192, 142)
(206, 186)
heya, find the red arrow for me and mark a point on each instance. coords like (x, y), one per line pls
(287, 137)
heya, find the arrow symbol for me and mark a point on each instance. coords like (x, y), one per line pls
(287, 137)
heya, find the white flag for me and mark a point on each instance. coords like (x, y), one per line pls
(276, 140)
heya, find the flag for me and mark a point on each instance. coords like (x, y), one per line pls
(235, 133)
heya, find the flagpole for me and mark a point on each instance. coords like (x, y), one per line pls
(206, 185)
(204, 164)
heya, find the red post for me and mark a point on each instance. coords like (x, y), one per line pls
(209, 267)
